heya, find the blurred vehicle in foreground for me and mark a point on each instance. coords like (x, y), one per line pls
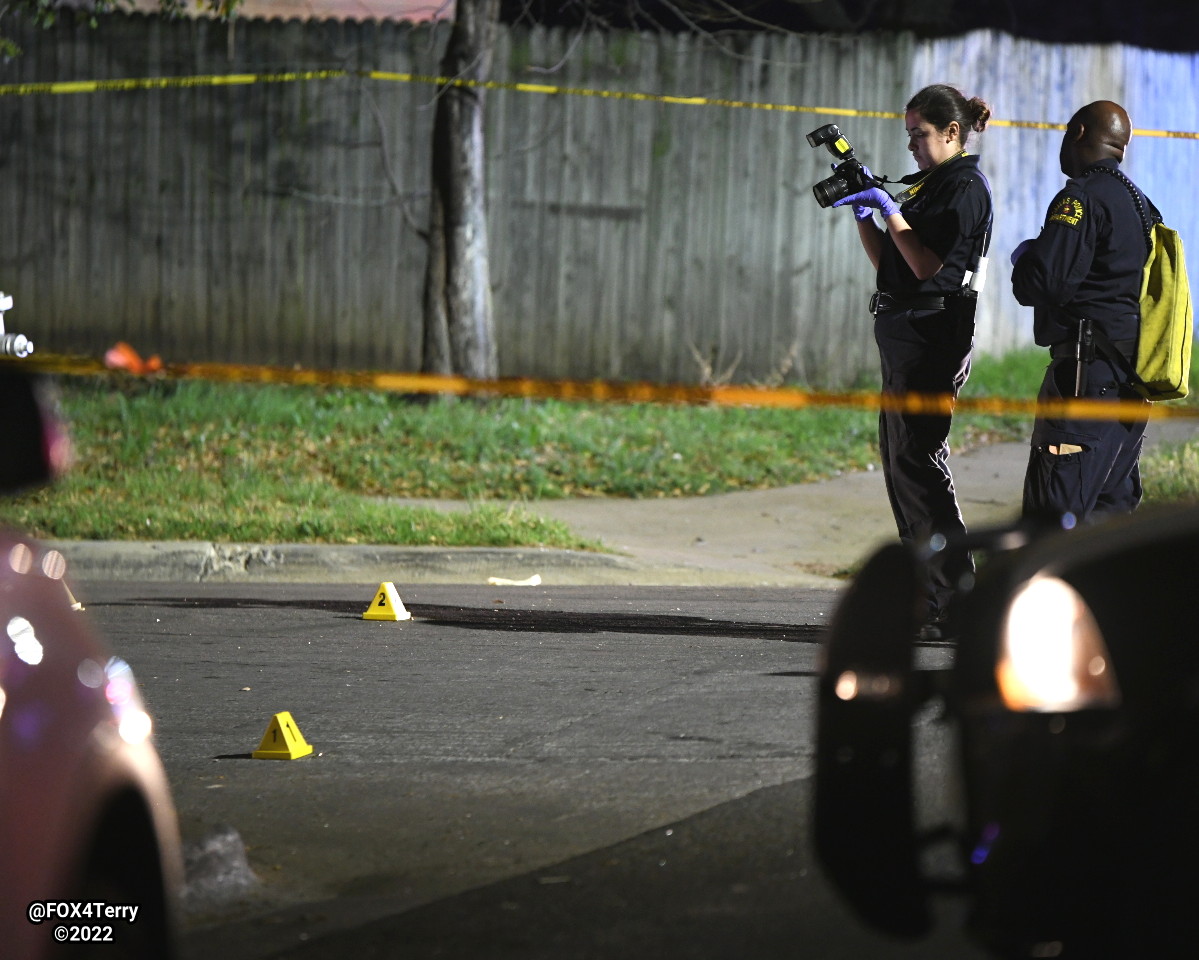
(87, 824)
(1071, 711)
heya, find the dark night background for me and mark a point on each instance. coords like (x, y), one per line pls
(1158, 24)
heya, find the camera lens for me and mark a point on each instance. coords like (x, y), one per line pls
(15, 345)
(828, 192)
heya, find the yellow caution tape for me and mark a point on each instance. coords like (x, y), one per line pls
(622, 391)
(163, 83)
(240, 79)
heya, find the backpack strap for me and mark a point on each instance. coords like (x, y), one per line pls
(1089, 344)
(1148, 221)
(1104, 345)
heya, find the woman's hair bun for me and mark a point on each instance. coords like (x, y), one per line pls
(940, 104)
(979, 113)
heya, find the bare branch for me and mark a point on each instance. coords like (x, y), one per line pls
(708, 374)
(566, 56)
(397, 191)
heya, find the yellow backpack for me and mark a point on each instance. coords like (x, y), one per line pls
(1167, 324)
(1163, 364)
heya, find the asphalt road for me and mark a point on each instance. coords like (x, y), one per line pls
(517, 772)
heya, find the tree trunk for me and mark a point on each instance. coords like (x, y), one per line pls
(459, 332)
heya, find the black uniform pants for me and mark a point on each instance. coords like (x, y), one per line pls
(1095, 471)
(924, 351)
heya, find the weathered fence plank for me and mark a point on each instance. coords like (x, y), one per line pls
(281, 222)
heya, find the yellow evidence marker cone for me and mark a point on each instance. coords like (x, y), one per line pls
(387, 605)
(282, 740)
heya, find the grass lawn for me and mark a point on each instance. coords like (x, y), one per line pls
(239, 463)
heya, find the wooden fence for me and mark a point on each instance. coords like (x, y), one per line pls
(280, 222)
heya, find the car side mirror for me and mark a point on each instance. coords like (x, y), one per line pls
(863, 819)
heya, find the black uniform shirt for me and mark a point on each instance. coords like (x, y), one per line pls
(1087, 261)
(951, 213)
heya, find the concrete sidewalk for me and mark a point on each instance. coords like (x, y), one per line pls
(802, 535)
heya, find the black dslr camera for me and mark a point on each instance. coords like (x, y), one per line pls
(849, 176)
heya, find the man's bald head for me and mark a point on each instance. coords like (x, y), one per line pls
(1098, 131)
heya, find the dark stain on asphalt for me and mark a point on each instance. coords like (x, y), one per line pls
(522, 620)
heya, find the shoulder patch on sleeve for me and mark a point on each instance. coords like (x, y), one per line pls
(1068, 210)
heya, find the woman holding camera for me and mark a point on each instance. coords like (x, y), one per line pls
(926, 255)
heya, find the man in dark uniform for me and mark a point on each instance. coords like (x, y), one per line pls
(1086, 267)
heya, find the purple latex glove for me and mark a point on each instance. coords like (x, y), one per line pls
(876, 198)
(1020, 250)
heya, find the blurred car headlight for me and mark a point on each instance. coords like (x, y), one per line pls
(120, 689)
(24, 639)
(1052, 656)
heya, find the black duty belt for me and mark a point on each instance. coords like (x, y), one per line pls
(883, 302)
(1068, 350)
